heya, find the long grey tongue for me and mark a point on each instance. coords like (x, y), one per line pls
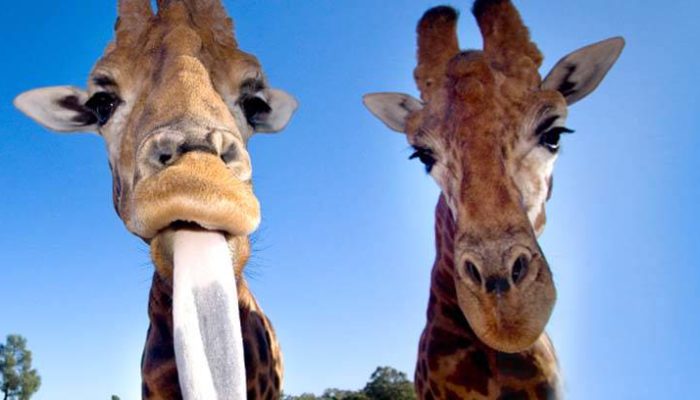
(207, 326)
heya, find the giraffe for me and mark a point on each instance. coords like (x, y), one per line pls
(487, 128)
(176, 101)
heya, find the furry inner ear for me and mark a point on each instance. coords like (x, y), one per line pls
(269, 110)
(253, 108)
(59, 108)
(578, 74)
(392, 108)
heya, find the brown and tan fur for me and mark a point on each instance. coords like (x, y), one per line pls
(453, 363)
(177, 48)
(176, 142)
(483, 127)
(481, 207)
(486, 107)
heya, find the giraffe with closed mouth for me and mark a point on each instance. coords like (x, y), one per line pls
(488, 129)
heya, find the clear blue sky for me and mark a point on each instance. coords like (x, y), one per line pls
(345, 249)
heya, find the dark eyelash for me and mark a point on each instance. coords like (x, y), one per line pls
(425, 155)
(560, 130)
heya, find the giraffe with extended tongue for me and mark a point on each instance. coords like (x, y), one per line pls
(176, 101)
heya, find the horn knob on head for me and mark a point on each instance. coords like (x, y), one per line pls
(506, 38)
(437, 44)
(132, 18)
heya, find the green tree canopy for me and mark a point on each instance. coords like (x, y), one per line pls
(386, 383)
(338, 394)
(304, 396)
(18, 381)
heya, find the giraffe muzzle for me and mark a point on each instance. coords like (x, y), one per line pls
(199, 188)
(507, 303)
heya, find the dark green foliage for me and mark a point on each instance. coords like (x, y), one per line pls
(337, 394)
(386, 383)
(18, 381)
(115, 397)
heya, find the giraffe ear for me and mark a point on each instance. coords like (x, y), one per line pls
(392, 108)
(59, 108)
(578, 74)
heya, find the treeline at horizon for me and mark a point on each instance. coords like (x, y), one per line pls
(385, 383)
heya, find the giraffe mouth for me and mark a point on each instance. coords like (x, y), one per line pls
(194, 214)
(512, 322)
(198, 190)
(180, 225)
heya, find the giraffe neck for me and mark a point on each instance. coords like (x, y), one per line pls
(443, 307)
(262, 355)
(158, 367)
(453, 363)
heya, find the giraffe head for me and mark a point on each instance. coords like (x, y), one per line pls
(487, 128)
(176, 101)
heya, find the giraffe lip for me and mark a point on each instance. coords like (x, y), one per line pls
(191, 226)
(199, 189)
(510, 322)
(188, 225)
(181, 225)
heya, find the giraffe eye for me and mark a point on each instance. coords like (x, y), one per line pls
(550, 139)
(103, 104)
(425, 155)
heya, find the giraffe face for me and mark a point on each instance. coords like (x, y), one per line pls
(489, 152)
(487, 129)
(483, 137)
(176, 101)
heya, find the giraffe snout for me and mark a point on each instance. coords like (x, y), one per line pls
(199, 176)
(497, 285)
(165, 148)
(505, 291)
(490, 277)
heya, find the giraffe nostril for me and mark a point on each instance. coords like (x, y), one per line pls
(520, 268)
(163, 150)
(164, 158)
(473, 272)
